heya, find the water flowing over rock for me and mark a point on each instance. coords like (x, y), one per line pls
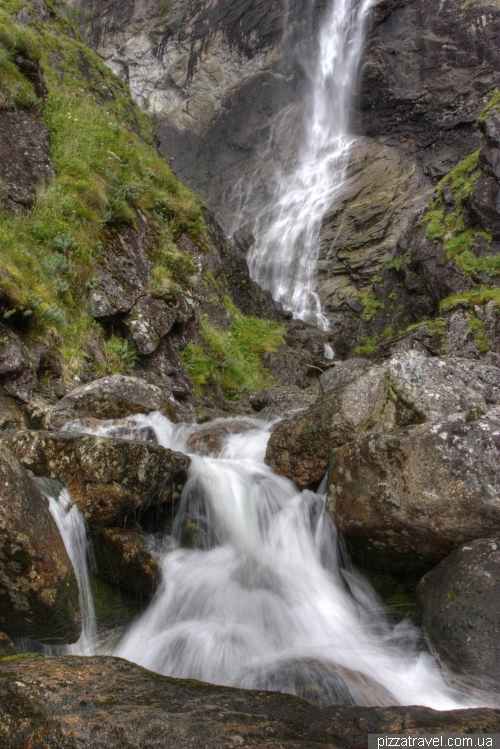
(109, 479)
(460, 612)
(39, 591)
(110, 398)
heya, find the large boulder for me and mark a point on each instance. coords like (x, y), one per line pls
(432, 387)
(38, 587)
(300, 447)
(460, 600)
(124, 560)
(419, 491)
(111, 397)
(108, 703)
(108, 478)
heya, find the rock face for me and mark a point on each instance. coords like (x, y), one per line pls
(459, 599)
(109, 479)
(38, 587)
(111, 398)
(218, 75)
(421, 490)
(103, 702)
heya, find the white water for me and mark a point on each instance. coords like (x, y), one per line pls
(284, 257)
(262, 599)
(71, 525)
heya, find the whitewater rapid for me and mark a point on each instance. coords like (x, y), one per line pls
(263, 597)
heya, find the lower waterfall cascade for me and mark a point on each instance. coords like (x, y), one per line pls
(264, 597)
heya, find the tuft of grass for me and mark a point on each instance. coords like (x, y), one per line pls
(233, 358)
(470, 299)
(370, 303)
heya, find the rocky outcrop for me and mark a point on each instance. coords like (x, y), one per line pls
(419, 491)
(38, 587)
(11, 417)
(111, 397)
(459, 599)
(16, 371)
(25, 157)
(101, 702)
(109, 479)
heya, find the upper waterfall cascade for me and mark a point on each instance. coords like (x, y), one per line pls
(284, 256)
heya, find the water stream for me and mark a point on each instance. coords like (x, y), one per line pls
(284, 257)
(256, 592)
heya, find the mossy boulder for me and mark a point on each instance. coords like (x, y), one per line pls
(112, 397)
(109, 479)
(38, 587)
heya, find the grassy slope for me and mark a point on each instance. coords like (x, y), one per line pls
(106, 169)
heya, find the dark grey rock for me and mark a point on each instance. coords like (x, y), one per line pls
(460, 602)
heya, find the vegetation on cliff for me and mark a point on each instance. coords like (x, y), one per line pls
(106, 172)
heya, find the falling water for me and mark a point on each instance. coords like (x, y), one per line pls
(285, 254)
(71, 525)
(255, 595)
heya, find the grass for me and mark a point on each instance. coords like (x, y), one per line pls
(106, 169)
(232, 359)
(471, 299)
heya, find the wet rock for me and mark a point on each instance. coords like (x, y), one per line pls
(342, 373)
(25, 159)
(460, 600)
(419, 491)
(38, 591)
(148, 322)
(11, 417)
(124, 560)
(210, 440)
(111, 398)
(16, 372)
(104, 702)
(7, 647)
(109, 479)
(431, 387)
(262, 398)
(121, 429)
(299, 448)
(281, 366)
(324, 683)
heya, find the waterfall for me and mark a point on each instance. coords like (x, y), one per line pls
(71, 525)
(256, 594)
(284, 257)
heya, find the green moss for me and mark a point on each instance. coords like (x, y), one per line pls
(106, 170)
(370, 303)
(476, 327)
(233, 358)
(19, 657)
(368, 347)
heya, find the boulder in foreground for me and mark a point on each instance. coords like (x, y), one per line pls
(108, 703)
(38, 587)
